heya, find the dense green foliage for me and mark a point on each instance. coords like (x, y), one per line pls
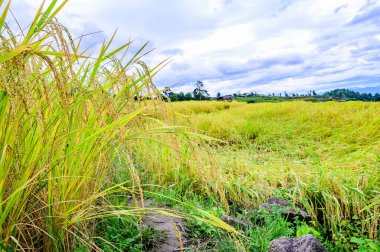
(352, 95)
(199, 93)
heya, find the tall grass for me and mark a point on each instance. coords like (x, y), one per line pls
(324, 156)
(64, 117)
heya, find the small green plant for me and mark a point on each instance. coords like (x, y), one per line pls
(304, 229)
(266, 228)
(151, 237)
(365, 245)
(119, 234)
(126, 234)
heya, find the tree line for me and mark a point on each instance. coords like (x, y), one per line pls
(352, 95)
(200, 93)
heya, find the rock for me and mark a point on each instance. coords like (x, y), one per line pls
(173, 229)
(307, 243)
(235, 222)
(286, 209)
(171, 226)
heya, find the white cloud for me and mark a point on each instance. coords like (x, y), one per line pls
(272, 45)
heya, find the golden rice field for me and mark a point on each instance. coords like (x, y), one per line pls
(78, 129)
(324, 156)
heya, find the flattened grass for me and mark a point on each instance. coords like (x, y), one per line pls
(324, 156)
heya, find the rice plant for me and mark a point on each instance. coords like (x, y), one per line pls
(64, 116)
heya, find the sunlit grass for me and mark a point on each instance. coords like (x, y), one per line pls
(324, 156)
(64, 118)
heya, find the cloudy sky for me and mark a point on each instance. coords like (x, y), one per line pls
(240, 45)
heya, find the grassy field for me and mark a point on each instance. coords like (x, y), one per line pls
(324, 156)
(81, 134)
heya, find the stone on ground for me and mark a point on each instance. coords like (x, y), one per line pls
(307, 243)
(286, 209)
(172, 228)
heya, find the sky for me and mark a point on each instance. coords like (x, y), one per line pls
(261, 46)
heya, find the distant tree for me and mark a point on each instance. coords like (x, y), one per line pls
(376, 97)
(314, 93)
(181, 96)
(188, 96)
(173, 96)
(200, 93)
(166, 92)
(218, 94)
